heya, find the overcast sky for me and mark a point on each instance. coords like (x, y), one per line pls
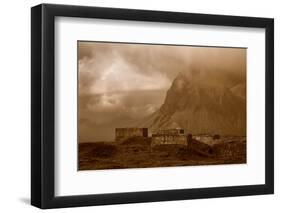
(119, 84)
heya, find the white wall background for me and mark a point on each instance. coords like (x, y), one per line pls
(15, 106)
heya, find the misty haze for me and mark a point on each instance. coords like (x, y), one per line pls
(144, 105)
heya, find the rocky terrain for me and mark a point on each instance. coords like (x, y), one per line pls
(137, 153)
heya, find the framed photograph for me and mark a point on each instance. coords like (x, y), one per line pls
(136, 106)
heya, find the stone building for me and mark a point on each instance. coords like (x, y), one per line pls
(125, 133)
(169, 136)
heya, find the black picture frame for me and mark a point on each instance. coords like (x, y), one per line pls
(43, 102)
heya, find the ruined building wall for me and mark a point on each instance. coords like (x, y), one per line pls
(125, 133)
(169, 136)
(168, 139)
(170, 132)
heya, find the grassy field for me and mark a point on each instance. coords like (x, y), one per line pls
(137, 153)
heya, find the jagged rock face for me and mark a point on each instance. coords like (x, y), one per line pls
(199, 108)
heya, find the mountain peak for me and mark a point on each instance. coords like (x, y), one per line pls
(201, 108)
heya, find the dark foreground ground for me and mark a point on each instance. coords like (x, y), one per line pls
(137, 153)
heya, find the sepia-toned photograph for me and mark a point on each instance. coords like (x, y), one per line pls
(159, 105)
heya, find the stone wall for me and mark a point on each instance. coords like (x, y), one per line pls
(171, 136)
(125, 133)
(170, 132)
